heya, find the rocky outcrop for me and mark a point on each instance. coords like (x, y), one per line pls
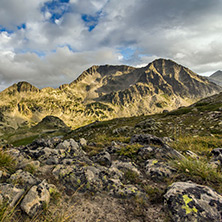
(190, 202)
(141, 178)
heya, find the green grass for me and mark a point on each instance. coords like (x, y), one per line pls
(180, 111)
(24, 141)
(200, 144)
(199, 171)
(208, 107)
(131, 177)
(7, 162)
(129, 150)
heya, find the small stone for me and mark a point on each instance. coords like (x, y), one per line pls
(82, 142)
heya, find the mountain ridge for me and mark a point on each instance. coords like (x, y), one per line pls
(106, 92)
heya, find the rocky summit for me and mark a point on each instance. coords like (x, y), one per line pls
(104, 92)
(216, 77)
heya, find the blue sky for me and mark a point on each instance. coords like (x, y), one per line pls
(50, 42)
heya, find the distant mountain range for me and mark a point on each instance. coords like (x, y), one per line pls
(216, 77)
(105, 92)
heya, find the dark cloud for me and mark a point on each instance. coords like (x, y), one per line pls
(187, 31)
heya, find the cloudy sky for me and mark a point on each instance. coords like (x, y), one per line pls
(50, 42)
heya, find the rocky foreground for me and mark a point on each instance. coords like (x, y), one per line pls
(115, 184)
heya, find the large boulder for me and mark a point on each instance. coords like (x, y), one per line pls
(190, 202)
(35, 200)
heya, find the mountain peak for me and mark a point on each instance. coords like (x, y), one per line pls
(26, 87)
(22, 86)
(216, 74)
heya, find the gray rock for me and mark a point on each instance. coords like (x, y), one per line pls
(190, 202)
(123, 130)
(158, 170)
(217, 151)
(103, 159)
(146, 139)
(67, 161)
(74, 145)
(37, 197)
(52, 160)
(63, 145)
(82, 142)
(165, 151)
(11, 193)
(125, 166)
(118, 189)
(24, 178)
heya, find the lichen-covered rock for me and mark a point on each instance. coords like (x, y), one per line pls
(84, 178)
(82, 142)
(10, 193)
(146, 139)
(37, 197)
(103, 159)
(63, 145)
(23, 178)
(163, 151)
(51, 143)
(158, 170)
(118, 189)
(190, 202)
(125, 166)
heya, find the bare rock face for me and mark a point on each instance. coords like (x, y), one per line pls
(36, 198)
(190, 202)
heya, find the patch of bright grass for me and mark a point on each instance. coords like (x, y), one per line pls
(131, 177)
(24, 141)
(199, 171)
(7, 162)
(197, 144)
(129, 150)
